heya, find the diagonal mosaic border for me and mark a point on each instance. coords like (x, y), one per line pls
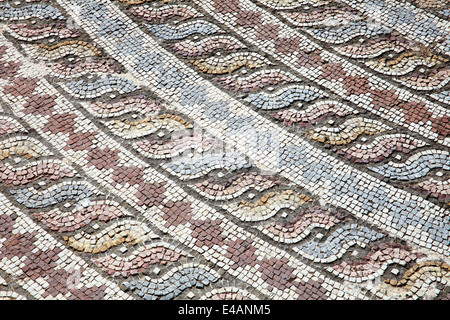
(323, 176)
(153, 208)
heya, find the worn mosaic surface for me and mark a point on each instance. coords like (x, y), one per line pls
(224, 149)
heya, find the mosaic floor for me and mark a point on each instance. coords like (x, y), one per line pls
(224, 149)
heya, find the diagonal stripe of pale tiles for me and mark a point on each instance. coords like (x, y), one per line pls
(398, 212)
(267, 256)
(414, 23)
(343, 78)
(12, 263)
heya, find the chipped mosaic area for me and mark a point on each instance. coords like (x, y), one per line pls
(224, 150)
